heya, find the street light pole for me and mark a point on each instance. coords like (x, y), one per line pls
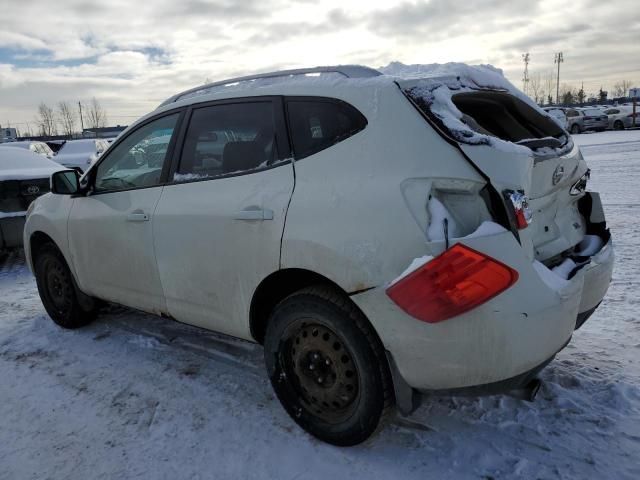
(525, 78)
(558, 59)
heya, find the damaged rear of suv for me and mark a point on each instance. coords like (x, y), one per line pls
(504, 297)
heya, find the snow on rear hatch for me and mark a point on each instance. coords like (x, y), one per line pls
(507, 136)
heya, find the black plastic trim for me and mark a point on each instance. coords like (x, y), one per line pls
(320, 99)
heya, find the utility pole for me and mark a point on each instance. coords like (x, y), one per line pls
(525, 78)
(558, 59)
(81, 121)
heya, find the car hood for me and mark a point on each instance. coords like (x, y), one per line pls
(25, 165)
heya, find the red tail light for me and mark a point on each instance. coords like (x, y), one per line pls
(455, 282)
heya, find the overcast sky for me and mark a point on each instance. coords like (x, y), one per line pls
(131, 55)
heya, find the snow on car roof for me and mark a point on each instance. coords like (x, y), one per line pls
(79, 146)
(24, 144)
(19, 164)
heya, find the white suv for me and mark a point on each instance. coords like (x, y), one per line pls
(379, 236)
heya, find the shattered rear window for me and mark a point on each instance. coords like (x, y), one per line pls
(493, 117)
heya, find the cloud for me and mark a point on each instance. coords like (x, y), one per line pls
(133, 55)
(438, 18)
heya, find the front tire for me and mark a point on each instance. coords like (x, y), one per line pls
(327, 366)
(58, 291)
(575, 129)
(618, 125)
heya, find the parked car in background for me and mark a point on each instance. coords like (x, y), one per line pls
(622, 117)
(585, 119)
(558, 114)
(24, 176)
(375, 241)
(80, 154)
(41, 148)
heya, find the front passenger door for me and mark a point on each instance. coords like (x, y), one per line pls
(110, 229)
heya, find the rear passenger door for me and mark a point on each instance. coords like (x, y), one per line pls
(219, 221)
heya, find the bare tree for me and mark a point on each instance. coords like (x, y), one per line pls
(95, 117)
(621, 89)
(535, 88)
(67, 118)
(46, 120)
(549, 84)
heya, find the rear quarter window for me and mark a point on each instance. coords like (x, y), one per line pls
(319, 123)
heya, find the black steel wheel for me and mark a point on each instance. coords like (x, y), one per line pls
(58, 291)
(327, 366)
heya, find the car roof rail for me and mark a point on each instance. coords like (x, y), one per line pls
(349, 71)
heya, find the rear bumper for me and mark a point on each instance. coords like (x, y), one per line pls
(11, 231)
(512, 334)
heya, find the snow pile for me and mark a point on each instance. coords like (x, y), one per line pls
(550, 278)
(565, 268)
(415, 264)
(590, 245)
(438, 213)
(12, 214)
(188, 177)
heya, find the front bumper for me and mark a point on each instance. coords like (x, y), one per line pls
(509, 335)
(11, 228)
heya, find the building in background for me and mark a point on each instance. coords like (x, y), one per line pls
(8, 135)
(103, 132)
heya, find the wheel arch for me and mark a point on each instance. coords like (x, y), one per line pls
(276, 287)
(37, 240)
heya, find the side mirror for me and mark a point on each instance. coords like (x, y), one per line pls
(65, 182)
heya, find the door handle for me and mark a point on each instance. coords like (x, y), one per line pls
(137, 217)
(254, 215)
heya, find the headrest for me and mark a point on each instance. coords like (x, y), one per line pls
(238, 156)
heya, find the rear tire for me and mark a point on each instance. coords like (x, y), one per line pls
(327, 366)
(618, 125)
(58, 291)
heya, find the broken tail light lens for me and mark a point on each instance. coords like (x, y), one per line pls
(521, 210)
(458, 280)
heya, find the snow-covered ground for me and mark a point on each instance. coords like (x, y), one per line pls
(134, 396)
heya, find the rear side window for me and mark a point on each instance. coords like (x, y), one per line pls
(228, 139)
(316, 124)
